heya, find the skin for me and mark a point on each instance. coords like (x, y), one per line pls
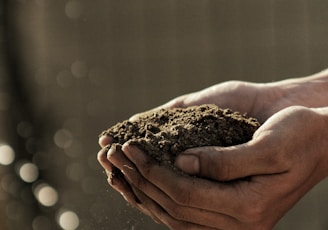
(248, 186)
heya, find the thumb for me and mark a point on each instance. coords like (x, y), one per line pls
(230, 163)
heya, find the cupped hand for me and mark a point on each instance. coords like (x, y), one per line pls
(285, 159)
(255, 99)
(260, 180)
(263, 178)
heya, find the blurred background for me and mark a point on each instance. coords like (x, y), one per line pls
(72, 68)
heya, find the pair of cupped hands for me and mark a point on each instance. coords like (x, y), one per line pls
(284, 160)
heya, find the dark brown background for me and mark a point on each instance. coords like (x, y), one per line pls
(81, 66)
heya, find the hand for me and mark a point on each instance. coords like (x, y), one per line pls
(115, 177)
(281, 164)
(257, 100)
(281, 160)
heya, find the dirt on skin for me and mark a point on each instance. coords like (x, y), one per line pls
(164, 133)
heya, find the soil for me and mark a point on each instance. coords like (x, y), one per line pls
(165, 133)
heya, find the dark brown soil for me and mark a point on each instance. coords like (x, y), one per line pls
(165, 133)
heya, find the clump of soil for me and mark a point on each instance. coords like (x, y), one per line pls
(163, 134)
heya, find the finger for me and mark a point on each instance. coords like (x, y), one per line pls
(176, 211)
(104, 140)
(115, 178)
(230, 163)
(158, 213)
(117, 182)
(111, 171)
(144, 208)
(102, 158)
(116, 157)
(185, 190)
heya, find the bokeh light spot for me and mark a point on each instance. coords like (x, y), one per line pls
(7, 154)
(63, 138)
(68, 220)
(28, 172)
(46, 195)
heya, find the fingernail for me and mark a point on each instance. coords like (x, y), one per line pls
(188, 163)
